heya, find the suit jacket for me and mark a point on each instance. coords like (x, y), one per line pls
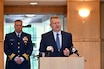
(48, 40)
(15, 46)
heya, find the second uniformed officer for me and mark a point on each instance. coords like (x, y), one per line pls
(18, 48)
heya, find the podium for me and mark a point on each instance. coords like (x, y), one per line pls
(61, 63)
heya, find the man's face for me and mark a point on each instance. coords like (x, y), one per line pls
(18, 26)
(55, 24)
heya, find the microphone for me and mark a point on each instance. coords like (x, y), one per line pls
(41, 54)
(49, 50)
(74, 50)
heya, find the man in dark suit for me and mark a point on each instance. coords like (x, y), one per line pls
(18, 48)
(49, 44)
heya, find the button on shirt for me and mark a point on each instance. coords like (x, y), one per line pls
(60, 37)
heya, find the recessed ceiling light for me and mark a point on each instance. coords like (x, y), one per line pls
(30, 15)
(33, 3)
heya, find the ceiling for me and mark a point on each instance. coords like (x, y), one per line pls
(27, 19)
(30, 19)
(34, 19)
(40, 2)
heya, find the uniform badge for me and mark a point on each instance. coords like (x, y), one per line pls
(25, 39)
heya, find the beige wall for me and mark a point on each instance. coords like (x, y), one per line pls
(86, 36)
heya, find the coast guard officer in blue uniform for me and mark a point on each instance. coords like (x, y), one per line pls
(18, 48)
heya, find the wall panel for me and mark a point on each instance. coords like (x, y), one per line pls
(35, 9)
(91, 53)
(102, 35)
(90, 29)
(86, 31)
(1, 34)
(1, 55)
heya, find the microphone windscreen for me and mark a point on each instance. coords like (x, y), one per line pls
(74, 50)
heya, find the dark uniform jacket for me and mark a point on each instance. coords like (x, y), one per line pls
(15, 46)
(48, 40)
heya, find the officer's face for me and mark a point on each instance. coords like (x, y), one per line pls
(18, 26)
(55, 24)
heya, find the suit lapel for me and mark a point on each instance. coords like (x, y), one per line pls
(14, 34)
(53, 40)
(63, 39)
(52, 37)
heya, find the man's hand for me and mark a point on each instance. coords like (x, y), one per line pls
(18, 60)
(66, 52)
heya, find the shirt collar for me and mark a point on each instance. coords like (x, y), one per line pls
(18, 33)
(57, 32)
